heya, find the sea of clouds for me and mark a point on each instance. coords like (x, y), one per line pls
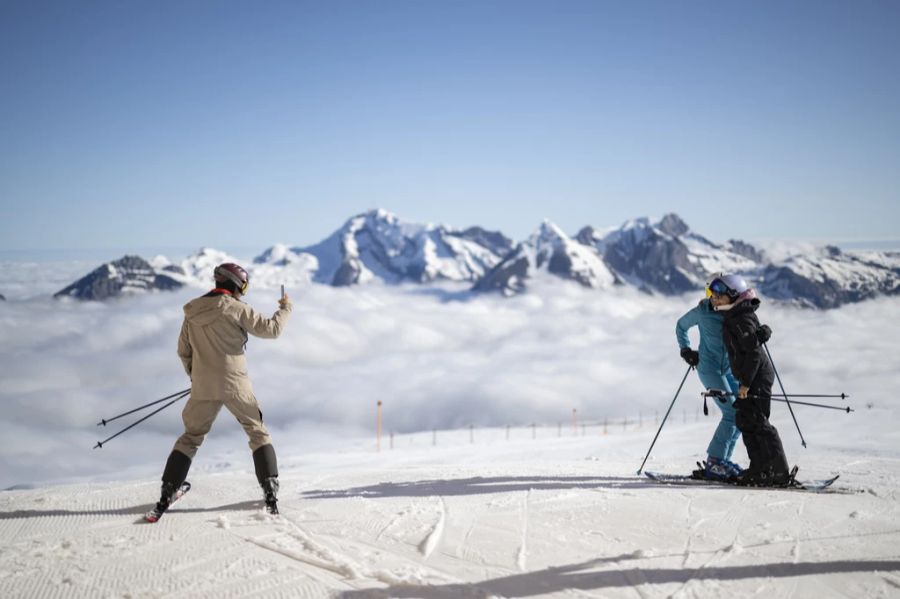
(437, 358)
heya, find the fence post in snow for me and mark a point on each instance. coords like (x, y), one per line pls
(605, 428)
(392, 439)
(575, 421)
(559, 429)
(378, 429)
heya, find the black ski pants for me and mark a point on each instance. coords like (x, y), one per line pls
(752, 418)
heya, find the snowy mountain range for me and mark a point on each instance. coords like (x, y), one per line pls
(666, 257)
(552, 251)
(195, 268)
(128, 275)
(830, 277)
(663, 257)
(377, 245)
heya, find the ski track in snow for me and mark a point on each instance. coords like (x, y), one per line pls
(437, 531)
(522, 553)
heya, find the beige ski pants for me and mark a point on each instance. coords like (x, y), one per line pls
(199, 414)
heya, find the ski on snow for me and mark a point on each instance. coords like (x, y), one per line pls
(688, 480)
(155, 514)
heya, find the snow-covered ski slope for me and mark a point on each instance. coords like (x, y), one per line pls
(547, 517)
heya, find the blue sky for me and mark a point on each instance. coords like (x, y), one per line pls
(239, 124)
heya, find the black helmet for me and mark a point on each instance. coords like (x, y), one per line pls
(234, 273)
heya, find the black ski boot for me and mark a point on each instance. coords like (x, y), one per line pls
(174, 484)
(767, 476)
(270, 491)
(266, 466)
(169, 494)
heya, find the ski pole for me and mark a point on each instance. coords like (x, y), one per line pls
(152, 403)
(664, 418)
(823, 396)
(847, 409)
(721, 393)
(716, 393)
(100, 443)
(786, 400)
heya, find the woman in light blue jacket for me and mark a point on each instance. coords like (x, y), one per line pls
(715, 373)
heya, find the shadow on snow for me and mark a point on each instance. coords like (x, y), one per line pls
(554, 580)
(505, 484)
(480, 485)
(129, 511)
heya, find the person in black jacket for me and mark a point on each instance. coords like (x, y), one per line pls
(744, 337)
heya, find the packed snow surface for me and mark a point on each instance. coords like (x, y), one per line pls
(470, 513)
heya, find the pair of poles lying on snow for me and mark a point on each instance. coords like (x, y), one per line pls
(782, 397)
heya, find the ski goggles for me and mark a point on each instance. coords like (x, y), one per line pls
(718, 287)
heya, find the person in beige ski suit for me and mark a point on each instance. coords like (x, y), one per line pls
(211, 347)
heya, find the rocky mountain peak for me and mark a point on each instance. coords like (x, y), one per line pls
(671, 224)
(127, 275)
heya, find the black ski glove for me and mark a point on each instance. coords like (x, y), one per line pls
(690, 356)
(764, 333)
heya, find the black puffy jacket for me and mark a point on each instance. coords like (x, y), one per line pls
(745, 353)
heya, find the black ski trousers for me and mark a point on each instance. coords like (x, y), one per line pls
(752, 418)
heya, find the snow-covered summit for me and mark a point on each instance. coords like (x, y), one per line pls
(195, 269)
(828, 277)
(377, 245)
(550, 250)
(201, 264)
(279, 254)
(280, 265)
(126, 276)
(664, 256)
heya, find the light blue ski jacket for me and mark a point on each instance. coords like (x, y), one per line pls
(713, 355)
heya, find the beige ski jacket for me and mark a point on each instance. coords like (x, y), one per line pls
(212, 341)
